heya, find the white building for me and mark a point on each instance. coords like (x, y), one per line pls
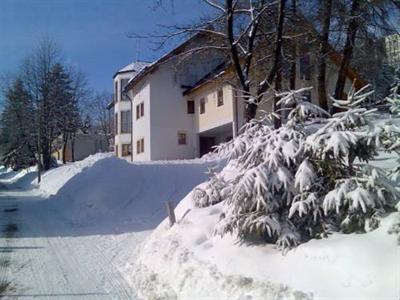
(180, 112)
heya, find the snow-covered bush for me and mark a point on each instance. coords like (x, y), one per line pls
(394, 96)
(301, 181)
(214, 191)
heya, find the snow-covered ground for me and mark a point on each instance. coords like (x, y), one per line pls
(87, 233)
(79, 230)
(188, 261)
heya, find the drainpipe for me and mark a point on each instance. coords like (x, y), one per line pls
(125, 94)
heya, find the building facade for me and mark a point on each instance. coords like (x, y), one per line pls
(181, 113)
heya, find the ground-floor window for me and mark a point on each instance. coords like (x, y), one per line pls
(126, 149)
(140, 146)
(116, 150)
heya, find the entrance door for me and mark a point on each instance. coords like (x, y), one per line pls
(206, 144)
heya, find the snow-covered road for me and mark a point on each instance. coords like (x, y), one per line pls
(46, 257)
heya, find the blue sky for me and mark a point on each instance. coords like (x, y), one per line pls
(92, 34)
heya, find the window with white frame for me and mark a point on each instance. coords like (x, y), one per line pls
(140, 146)
(124, 96)
(126, 121)
(126, 149)
(139, 110)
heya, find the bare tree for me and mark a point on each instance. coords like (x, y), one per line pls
(323, 53)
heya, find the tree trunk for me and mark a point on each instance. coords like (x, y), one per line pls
(323, 53)
(348, 49)
(73, 147)
(278, 88)
(293, 71)
(278, 59)
(64, 148)
(264, 86)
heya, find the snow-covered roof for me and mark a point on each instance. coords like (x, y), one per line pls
(135, 66)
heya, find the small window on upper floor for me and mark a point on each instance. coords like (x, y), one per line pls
(202, 106)
(139, 110)
(220, 97)
(190, 107)
(124, 96)
(116, 91)
(182, 138)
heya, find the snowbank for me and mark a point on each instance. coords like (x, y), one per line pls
(188, 260)
(18, 179)
(104, 189)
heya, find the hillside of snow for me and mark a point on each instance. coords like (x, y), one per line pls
(189, 259)
(117, 205)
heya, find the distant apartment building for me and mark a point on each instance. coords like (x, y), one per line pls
(392, 46)
(181, 113)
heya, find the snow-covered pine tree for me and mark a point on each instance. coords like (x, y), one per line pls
(394, 96)
(300, 181)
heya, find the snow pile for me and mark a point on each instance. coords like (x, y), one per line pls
(54, 179)
(18, 179)
(189, 259)
(103, 189)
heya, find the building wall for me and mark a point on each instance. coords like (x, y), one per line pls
(84, 145)
(214, 115)
(141, 127)
(120, 105)
(169, 116)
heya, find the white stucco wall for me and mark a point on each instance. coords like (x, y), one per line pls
(141, 127)
(169, 116)
(214, 116)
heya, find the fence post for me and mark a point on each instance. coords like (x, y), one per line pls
(171, 213)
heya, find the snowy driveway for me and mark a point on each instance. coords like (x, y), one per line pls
(44, 256)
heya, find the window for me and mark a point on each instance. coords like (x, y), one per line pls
(140, 146)
(202, 106)
(126, 149)
(116, 124)
(139, 110)
(220, 97)
(126, 122)
(116, 150)
(124, 82)
(190, 107)
(116, 91)
(182, 138)
(305, 67)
